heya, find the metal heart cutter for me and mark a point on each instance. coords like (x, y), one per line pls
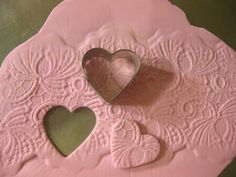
(110, 73)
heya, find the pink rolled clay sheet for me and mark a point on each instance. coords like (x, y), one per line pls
(176, 119)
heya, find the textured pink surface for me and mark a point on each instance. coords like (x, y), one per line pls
(131, 149)
(184, 95)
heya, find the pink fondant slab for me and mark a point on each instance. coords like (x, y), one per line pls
(176, 119)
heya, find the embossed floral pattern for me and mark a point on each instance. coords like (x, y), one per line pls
(185, 95)
(16, 143)
(131, 149)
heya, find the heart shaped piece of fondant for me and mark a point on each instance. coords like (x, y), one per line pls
(110, 74)
(129, 148)
(67, 130)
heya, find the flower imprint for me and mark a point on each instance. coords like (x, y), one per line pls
(16, 142)
(47, 67)
(215, 130)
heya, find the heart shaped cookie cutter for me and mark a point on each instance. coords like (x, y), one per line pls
(110, 73)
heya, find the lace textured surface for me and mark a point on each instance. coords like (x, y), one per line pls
(184, 94)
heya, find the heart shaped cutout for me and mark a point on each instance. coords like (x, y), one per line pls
(110, 74)
(67, 130)
(129, 148)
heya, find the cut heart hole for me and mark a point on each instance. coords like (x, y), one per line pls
(110, 74)
(68, 130)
